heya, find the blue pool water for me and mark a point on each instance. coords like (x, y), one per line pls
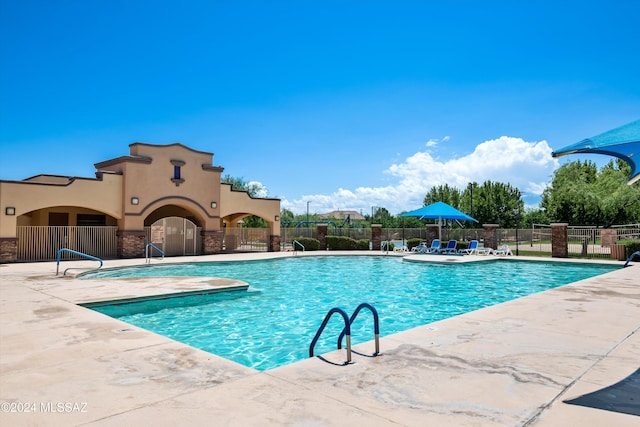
(274, 321)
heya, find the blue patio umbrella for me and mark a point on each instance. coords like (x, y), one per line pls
(622, 142)
(439, 211)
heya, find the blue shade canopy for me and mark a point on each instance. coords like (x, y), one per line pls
(622, 142)
(439, 210)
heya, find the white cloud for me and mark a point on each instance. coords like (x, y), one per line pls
(258, 189)
(431, 143)
(525, 165)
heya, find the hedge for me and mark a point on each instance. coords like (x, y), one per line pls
(309, 244)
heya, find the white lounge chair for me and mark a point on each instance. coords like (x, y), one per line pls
(484, 251)
(503, 250)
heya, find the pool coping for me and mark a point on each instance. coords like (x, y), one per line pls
(483, 368)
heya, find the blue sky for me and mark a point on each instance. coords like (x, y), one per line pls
(342, 104)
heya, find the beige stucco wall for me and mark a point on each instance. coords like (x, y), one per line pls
(103, 195)
(236, 205)
(152, 184)
(147, 174)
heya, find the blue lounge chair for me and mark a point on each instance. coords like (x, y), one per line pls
(450, 249)
(435, 247)
(422, 248)
(473, 246)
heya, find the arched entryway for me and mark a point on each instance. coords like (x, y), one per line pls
(176, 236)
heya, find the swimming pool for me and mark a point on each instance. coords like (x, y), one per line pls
(273, 322)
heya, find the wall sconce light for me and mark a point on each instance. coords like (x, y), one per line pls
(277, 217)
(214, 205)
(10, 210)
(135, 200)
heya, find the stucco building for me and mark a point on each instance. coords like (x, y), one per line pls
(170, 196)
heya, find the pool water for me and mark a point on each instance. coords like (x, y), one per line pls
(273, 322)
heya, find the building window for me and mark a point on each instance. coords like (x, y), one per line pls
(90, 220)
(177, 174)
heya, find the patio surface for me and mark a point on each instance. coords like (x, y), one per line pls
(513, 364)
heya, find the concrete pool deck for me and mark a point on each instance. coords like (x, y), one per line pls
(513, 364)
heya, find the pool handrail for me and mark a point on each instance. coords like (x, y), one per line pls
(59, 255)
(347, 329)
(633, 255)
(376, 325)
(148, 254)
(295, 252)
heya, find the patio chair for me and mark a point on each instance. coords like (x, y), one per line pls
(420, 247)
(450, 248)
(503, 250)
(471, 249)
(435, 247)
(484, 251)
(400, 249)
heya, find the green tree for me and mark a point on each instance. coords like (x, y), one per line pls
(497, 203)
(443, 193)
(579, 194)
(286, 215)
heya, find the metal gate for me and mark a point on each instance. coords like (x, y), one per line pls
(176, 236)
(246, 239)
(40, 243)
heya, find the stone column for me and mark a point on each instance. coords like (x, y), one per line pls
(274, 243)
(608, 237)
(322, 229)
(490, 235)
(131, 243)
(8, 249)
(212, 241)
(559, 240)
(376, 236)
(432, 233)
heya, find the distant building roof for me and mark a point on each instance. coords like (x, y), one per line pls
(353, 215)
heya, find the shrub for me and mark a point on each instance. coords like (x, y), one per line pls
(363, 244)
(412, 243)
(309, 244)
(462, 245)
(342, 243)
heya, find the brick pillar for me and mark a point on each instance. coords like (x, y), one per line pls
(432, 233)
(8, 249)
(212, 242)
(608, 237)
(322, 229)
(274, 243)
(376, 236)
(559, 240)
(131, 243)
(490, 235)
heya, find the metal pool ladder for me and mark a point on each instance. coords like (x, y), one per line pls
(346, 331)
(148, 252)
(59, 257)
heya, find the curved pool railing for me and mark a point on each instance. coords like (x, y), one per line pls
(293, 244)
(376, 325)
(633, 255)
(148, 252)
(59, 256)
(347, 331)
